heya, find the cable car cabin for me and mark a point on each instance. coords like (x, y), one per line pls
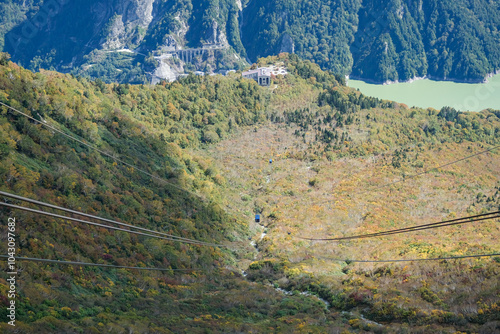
(257, 218)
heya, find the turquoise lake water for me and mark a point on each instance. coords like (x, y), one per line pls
(437, 94)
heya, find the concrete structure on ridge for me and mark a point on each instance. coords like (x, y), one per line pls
(263, 74)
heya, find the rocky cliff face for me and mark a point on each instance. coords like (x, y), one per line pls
(98, 37)
(215, 35)
(371, 39)
(128, 24)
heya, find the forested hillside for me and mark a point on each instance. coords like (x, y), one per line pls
(86, 37)
(381, 40)
(207, 142)
(370, 39)
(13, 13)
(344, 164)
(147, 127)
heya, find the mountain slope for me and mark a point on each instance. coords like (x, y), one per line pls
(13, 13)
(78, 36)
(345, 164)
(154, 128)
(211, 138)
(382, 40)
(371, 39)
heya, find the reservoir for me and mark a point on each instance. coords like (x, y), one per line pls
(437, 94)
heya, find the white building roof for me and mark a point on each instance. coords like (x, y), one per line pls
(266, 71)
(261, 72)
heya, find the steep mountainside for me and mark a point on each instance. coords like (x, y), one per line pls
(96, 38)
(13, 13)
(137, 41)
(381, 40)
(155, 129)
(210, 139)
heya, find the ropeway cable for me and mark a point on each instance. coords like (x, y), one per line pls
(441, 166)
(94, 264)
(92, 216)
(411, 260)
(101, 151)
(457, 221)
(419, 174)
(105, 226)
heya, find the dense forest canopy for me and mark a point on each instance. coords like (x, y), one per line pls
(382, 40)
(371, 39)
